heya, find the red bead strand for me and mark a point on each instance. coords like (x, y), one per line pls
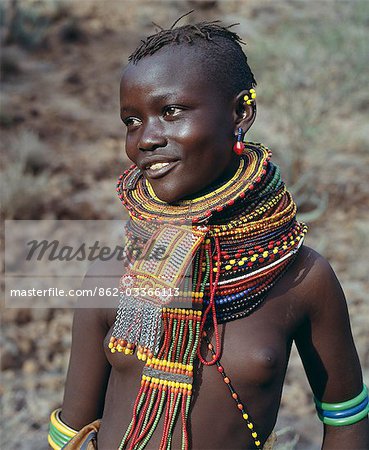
(211, 306)
(235, 396)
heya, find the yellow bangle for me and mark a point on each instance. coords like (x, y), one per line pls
(60, 425)
(59, 433)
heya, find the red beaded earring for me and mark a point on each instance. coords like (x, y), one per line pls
(239, 146)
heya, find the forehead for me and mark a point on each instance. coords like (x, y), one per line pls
(173, 68)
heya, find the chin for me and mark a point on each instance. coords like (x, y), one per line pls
(168, 197)
(173, 192)
(167, 192)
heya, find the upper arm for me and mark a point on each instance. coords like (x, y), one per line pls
(89, 370)
(328, 353)
(325, 340)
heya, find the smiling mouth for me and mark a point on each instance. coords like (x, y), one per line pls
(160, 169)
(157, 166)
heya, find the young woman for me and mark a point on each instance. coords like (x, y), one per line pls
(212, 353)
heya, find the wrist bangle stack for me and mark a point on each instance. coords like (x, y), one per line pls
(59, 433)
(345, 413)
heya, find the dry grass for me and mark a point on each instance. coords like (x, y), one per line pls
(24, 180)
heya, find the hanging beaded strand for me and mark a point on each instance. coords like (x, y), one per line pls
(166, 384)
(211, 304)
(234, 395)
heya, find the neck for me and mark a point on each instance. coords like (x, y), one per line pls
(224, 178)
(246, 177)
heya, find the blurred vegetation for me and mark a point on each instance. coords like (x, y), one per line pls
(31, 23)
(313, 73)
(24, 181)
(27, 23)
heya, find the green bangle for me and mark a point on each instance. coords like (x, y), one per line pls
(57, 438)
(345, 420)
(344, 405)
(59, 433)
(52, 444)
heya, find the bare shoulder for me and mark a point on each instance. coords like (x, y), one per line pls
(316, 283)
(107, 269)
(101, 289)
(313, 266)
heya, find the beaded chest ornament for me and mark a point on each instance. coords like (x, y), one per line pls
(242, 238)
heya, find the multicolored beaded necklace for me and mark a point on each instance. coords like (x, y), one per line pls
(224, 252)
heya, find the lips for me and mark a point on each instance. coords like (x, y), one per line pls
(158, 170)
(157, 166)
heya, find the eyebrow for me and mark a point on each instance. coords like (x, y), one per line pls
(161, 97)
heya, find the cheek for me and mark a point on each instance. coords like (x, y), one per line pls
(208, 129)
(200, 140)
(188, 133)
(131, 148)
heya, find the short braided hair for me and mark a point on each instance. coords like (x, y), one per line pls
(225, 60)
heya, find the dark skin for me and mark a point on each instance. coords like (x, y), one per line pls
(173, 118)
(175, 114)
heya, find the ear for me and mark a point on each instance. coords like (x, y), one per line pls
(243, 114)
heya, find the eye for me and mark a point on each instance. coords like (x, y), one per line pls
(132, 122)
(172, 111)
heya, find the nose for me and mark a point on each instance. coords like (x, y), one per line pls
(152, 136)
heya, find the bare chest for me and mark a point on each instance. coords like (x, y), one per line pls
(255, 348)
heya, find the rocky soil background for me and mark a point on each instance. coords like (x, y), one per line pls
(62, 149)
